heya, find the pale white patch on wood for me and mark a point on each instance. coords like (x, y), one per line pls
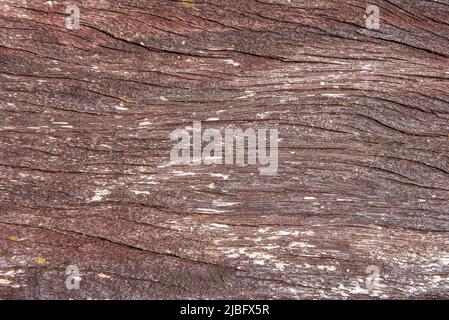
(99, 194)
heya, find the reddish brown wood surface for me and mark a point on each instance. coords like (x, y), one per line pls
(85, 123)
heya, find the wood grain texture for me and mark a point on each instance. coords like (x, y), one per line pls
(85, 122)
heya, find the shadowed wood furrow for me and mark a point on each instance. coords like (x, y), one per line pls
(363, 172)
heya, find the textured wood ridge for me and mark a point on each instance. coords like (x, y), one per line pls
(85, 123)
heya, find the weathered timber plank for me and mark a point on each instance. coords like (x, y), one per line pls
(85, 123)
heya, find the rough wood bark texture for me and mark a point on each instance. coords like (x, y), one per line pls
(85, 123)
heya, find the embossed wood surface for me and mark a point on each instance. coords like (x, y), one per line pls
(363, 176)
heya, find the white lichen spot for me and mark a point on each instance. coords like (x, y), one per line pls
(280, 265)
(5, 282)
(120, 107)
(287, 233)
(327, 268)
(333, 95)
(183, 174)
(219, 225)
(220, 203)
(140, 192)
(231, 61)
(99, 194)
(225, 177)
(210, 210)
(300, 245)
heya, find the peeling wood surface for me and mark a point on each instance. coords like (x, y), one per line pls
(85, 122)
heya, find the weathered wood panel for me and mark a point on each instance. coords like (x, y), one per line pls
(85, 123)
